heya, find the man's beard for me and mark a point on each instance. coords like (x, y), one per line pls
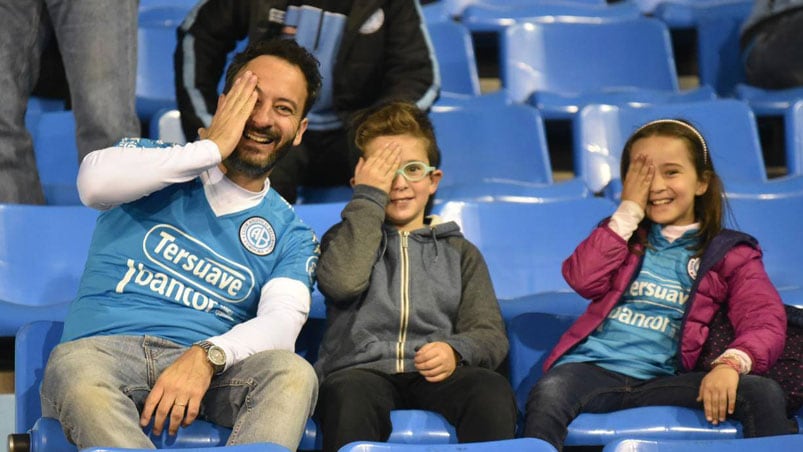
(252, 169)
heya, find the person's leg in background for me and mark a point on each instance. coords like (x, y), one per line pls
(22, 38)
(98, 43)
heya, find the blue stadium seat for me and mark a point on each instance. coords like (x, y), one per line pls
(510, 445)
(156, 42)
(501, 156)
(323, 195)
(793, 126)
(320, 217)
(504, 143)
(42, 254)
(524, 244)
(777, 443)
(768, 102)
(688, 13)
(53, 134)
(533, 335)
(165, 125)
(717, 24)
(255, 447)
(561, 66)
(495, 16)
(774, 221)
(34, 342)
(558, 303)
(728, 126)
(454, 52)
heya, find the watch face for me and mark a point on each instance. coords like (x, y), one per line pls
(216, 356)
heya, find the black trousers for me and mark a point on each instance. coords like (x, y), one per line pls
(355, 404)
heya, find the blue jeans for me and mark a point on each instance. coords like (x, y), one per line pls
(574, 388)
(97, 40)
(96, 387)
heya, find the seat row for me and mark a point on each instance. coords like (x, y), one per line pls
(524, 244)
(531, 335)
(505, 149)
(523, 241)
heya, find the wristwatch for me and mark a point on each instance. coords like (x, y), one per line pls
(214, 354)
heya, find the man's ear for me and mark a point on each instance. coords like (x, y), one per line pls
(351, 181)
(302, 127)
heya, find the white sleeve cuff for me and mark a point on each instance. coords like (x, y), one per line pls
(283, 309)
(626, 219)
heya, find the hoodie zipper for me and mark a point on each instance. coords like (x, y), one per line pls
(404, 297)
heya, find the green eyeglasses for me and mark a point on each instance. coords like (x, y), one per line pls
(415, 171)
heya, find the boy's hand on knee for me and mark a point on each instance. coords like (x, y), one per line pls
(718, 393)
(435, 361)
(178, 392)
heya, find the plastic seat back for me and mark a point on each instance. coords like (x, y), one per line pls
(166, 126)
(525, 244)
(767, 443)
(53, 134)
(532, 337)
(456, 60)
(728, 126)
(43, 250)
(510, 445)
(492, 144)
(774, 221)
(577, 58)
(156, 43)
(495, 16)
(793, 127)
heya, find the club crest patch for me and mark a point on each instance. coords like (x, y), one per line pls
(373, 23)
(692, 267)
(257, 236)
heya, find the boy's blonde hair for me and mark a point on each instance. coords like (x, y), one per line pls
(396, 118)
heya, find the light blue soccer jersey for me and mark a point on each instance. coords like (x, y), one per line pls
(166, 265)
(640, 336)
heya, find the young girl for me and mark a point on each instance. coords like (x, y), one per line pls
(656, 272)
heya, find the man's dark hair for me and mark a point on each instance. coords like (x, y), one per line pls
(288, 50)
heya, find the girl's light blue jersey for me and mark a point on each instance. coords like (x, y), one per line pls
(166, 265)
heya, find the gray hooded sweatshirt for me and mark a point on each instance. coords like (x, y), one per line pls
(389, 292)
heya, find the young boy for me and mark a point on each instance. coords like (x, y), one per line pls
(413, 321)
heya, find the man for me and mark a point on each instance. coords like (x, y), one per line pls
(198, 278)
(371, 51)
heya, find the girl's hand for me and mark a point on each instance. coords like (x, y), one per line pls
(637, 181)
(379, 169)
(718, 393)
